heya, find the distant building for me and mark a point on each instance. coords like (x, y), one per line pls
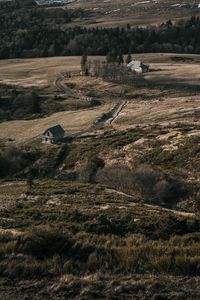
(56, 2)
(138, 66)
(53, 134)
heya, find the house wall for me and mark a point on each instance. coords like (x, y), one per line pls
(48, 138)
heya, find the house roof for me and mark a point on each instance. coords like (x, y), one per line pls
(55, 130)
(134, 64)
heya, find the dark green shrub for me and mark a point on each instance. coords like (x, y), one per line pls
(90, 168)
(44, 243)
(24, 269)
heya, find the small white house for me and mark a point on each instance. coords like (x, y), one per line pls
(53, 134)
(138, 66)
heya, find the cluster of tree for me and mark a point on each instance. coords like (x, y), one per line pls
(28, 30)
(144, 181)
(12, 160)
(112, 71)
(89, 169)
(19, 105)
(150, 184)
(114, 57)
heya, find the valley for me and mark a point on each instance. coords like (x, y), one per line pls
(112, 210)
(99, 150)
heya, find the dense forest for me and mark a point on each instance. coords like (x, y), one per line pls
(28, 30)
(33, 31)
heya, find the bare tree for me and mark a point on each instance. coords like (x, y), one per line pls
(84, 63)
(128, 58)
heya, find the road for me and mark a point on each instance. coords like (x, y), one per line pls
(151, 206)
(107, 118)
(103, 121)
(61, 86)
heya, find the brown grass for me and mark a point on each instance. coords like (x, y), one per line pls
(120, 13)
(9, 193)
(22, 131)
(163, 108)
(39, 72)
(164, 112)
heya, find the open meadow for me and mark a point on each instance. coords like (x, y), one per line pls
(164, 107)
(41, 72)
(22, 131)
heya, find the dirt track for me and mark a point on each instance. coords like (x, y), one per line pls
(152, 207)
(102, 121)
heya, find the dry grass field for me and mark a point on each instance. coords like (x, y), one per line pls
(164, 112)
(170, 69)
(119, 13)
(9, 192)
(171, 121)
(21, 131)
(41, 72)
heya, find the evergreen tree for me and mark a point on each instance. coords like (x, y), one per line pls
(114, 55)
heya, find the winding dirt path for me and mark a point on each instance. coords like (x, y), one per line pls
(150, 206)
(117, 111)
(103, 121)
(60, 85)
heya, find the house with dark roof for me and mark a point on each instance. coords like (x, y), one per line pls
(53, 134)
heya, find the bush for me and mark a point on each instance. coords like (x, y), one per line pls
(24, 269)
(151, 185)
(169, 192)
(43, 243)
(145, 179)
(118, 177)
(89, 169)
(12, 160)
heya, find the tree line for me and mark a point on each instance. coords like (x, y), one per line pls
(34, 31)
(112, 69)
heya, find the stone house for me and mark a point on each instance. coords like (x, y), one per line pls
(53, 134)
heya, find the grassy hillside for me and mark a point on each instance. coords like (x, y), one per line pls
(39, 73)
(113, 211)
(80, 241)
(117, 13)
(72, 121)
